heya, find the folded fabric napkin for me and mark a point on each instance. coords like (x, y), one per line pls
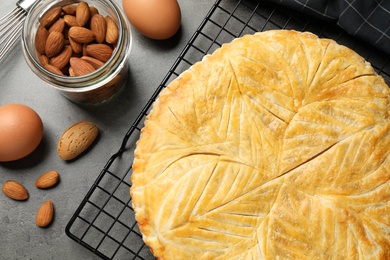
(365, 19)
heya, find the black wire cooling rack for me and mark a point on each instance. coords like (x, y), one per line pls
(104, 222)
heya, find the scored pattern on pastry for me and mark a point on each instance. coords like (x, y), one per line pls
(276, 146)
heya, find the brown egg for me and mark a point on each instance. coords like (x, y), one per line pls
(156, 19)
(21, 131)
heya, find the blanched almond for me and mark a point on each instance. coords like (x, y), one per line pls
(81, 34)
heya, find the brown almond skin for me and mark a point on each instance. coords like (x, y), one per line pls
(83, 13)
(47, 180)
(54, 44)
(58, 26)
(71, 72)
(15, 190)
(93, 10)
(99, 27)
(76, 139)
(99, 51)
(51, 16)
(112, 32)
(76, 47)
(81, 34)
(43, 59)
(62, 59)
(80, 66)
(53, 69)
(45, 214)
(94, 62)
(69, 9)
(70, 20)
(40, 39)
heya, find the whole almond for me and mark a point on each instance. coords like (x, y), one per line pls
(15, 190)
(112, 32)
(98, 27)
(51, 16)
(81, 67)
(54, 44)
(71, 72)
(76, 47)
(45, 214)
(86, 33)
(62, 59)
(76, 139)
(82, 13)
(43, 59)
(81, 34)
(99, 51)
(53, 69)
(69, 9)
(40, 39)
(58, 26)
(47, 180)
(94, 62)
(70, 20)
(93, 10)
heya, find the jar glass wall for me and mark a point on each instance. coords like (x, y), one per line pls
(100, 85)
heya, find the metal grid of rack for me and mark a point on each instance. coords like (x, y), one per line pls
(104, 222)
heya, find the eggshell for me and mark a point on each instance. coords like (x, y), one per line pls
(156, 19)
(21, 131)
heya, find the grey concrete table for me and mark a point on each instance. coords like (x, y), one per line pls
(149, 61)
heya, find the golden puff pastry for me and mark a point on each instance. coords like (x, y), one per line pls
(276, 146)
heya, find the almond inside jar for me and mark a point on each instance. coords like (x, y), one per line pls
(75, 40)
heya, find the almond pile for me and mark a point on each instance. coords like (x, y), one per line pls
(74, 141)
(16, 191)
(75, 40)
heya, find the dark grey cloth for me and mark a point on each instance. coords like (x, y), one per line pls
(365, 19)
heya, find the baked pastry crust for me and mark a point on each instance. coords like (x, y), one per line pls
(276, 146)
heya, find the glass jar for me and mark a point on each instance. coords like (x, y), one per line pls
(98, 86)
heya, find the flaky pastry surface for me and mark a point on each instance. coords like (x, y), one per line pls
(276, 146)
